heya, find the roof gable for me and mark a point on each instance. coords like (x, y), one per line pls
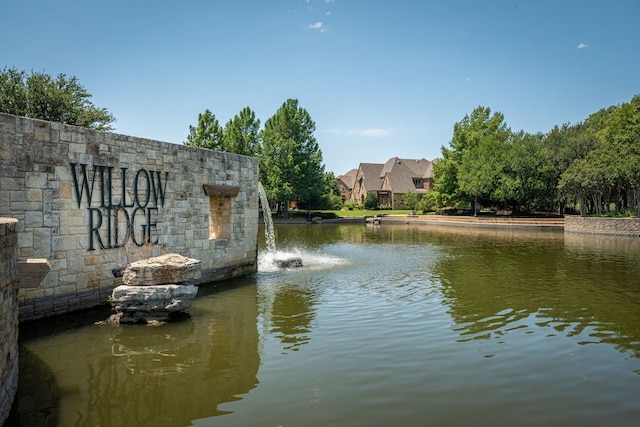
(400, 179)
(418, 167)
(349, 178)
(369, 173)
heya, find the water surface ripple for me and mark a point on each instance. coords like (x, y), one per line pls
(391, 325)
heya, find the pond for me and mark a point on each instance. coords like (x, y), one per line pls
(383, 325)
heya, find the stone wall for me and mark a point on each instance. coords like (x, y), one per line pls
(8, 315)
(595, 225)
(91, 202)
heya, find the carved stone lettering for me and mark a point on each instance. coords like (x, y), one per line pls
(114, 215)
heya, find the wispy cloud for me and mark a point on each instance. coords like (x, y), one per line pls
(367, 133)
(318, 26)
(373, 132)
(583, 46)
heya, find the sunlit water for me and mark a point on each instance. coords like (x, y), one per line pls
(383, 325)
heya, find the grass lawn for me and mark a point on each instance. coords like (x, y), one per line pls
(357, 212)
(328, 214)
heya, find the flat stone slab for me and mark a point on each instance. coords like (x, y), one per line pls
(163, 269)
(155, 302)
(32, 271)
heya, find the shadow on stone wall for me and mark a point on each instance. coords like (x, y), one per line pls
(38, 391)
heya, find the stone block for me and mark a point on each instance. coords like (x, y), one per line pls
(31, 272)
(36, 180)
(157, 302)
(163, 269)
(25, 240)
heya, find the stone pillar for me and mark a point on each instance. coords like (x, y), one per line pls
(8, 315)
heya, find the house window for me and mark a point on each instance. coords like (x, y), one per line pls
(417, 182)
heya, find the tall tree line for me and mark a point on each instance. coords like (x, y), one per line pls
(594, 164)
(57, 99)
(291, 165)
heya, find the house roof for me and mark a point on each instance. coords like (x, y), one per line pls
(429, 171)
(370, 174)
(396, 175)
(418, 167)
(400, 178)
(349, 178)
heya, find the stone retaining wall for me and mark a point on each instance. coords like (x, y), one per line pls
(512, 223)
(595, 225)
(8, 315)
(91, 202)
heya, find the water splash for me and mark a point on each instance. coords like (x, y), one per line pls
(272, 259)
(268, 221)
(269, 261)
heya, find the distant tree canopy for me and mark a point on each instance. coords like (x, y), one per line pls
(330, 198)
(241, 135)
(595, 163)
(291, 168)
(609, 173)
(207, 133)
(61, 99)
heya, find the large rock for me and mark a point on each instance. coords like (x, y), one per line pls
(155, 302)
(289, 262)
(163, 269)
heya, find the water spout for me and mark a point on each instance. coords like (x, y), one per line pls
(268, 221)
(281, 260)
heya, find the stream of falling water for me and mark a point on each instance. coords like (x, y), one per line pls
(268, 221)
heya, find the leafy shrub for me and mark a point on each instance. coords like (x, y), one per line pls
(428, 203)
(351, 205)
(371, 201)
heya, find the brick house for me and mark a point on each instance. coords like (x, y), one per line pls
(346, 183)
(392, 180)
(367, 180)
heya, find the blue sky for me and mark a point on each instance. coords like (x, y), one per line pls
(379, 78)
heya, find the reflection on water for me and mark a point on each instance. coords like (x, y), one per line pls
(289, 316)
(388, 325)
(567, 285)
(137, 375)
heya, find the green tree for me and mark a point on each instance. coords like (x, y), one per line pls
(429, 202)
(480, 128)
(411, 200)
(14, 94)
(61, 99)
(526, 180)
(445, 174)
(472, 129)
(330, 197)
(607, 173)
(633, 175)
(207, 134)
(291, 166)
(479, 169)
(242, 134)
(565, 144)
(371, 201)
(585, 180)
